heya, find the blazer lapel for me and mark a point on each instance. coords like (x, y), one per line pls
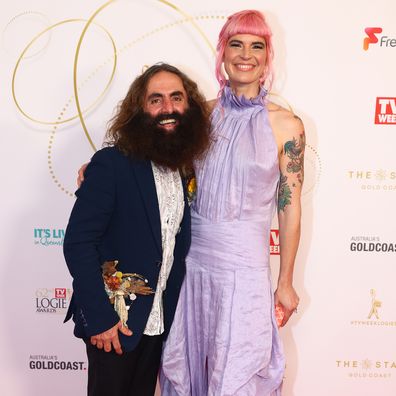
(145, 180)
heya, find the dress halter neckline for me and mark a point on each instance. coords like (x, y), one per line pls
(229, 98)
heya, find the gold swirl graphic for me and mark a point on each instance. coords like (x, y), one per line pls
(80, 113)
(58, 121)
(17, 17)
(312, 158)
(90, 20)
(119, 51)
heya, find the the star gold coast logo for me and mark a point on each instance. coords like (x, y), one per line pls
(367, 368)
(373, 316)
(373, 180)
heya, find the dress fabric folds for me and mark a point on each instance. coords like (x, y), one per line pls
(224, 339)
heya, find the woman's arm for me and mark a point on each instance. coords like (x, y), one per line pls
(289, 133)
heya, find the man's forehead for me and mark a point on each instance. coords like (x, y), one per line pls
(165, 83)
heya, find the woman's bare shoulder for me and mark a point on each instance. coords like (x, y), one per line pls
(283, 119)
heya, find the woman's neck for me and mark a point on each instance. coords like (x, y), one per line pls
(248, 91)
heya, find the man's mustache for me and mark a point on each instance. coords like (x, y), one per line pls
(167, 116)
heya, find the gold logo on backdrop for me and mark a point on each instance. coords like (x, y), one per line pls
(367, 368)
(375, 304)
(373, 317)
(366, 364)
(187, 19)
(313, 162)
(373, 180)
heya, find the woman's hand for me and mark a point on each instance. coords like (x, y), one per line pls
(287, 297)
(80, 177)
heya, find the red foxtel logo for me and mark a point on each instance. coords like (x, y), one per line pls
(371, 36)
(385, 111)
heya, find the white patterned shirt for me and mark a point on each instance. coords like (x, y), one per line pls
(170, 196)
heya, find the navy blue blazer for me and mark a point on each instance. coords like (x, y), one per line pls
(116, 217)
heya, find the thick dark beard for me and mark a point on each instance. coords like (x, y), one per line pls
(175, 149)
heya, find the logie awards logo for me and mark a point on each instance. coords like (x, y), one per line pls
(373, 316)
(375, 304)
(52, 300)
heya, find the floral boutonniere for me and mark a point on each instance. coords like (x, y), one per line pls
(191, 185)
(120, 286)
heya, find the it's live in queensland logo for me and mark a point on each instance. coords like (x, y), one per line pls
(49, 236)
(375, 38)
(373, 316)
(52, 300)
(53, 363)
(385, 111)
(274, 242)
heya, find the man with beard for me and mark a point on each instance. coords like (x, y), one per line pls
(129, 231)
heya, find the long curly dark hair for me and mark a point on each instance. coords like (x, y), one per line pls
(122, 127)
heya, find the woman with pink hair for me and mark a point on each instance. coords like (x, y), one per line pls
(224, 339)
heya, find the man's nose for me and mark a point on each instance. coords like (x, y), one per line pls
(167, 105)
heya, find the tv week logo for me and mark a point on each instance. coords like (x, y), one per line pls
(60, 292)
(372, 38)
(385, 111)
(274, 242)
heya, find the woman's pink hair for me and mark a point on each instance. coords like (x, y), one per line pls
(245, 22)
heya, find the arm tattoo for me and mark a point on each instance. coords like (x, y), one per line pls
(284, 193)
(294, 149)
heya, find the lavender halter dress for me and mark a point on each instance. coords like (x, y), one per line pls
(224, 339)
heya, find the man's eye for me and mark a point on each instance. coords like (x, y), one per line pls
(155, 101)
(177, 98)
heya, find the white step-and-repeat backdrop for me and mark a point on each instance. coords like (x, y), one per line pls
(65, 65)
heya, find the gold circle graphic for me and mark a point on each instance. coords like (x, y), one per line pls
(316, 164)
(90, 20)
(58, 121)
(119, 51)
(17, 18)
